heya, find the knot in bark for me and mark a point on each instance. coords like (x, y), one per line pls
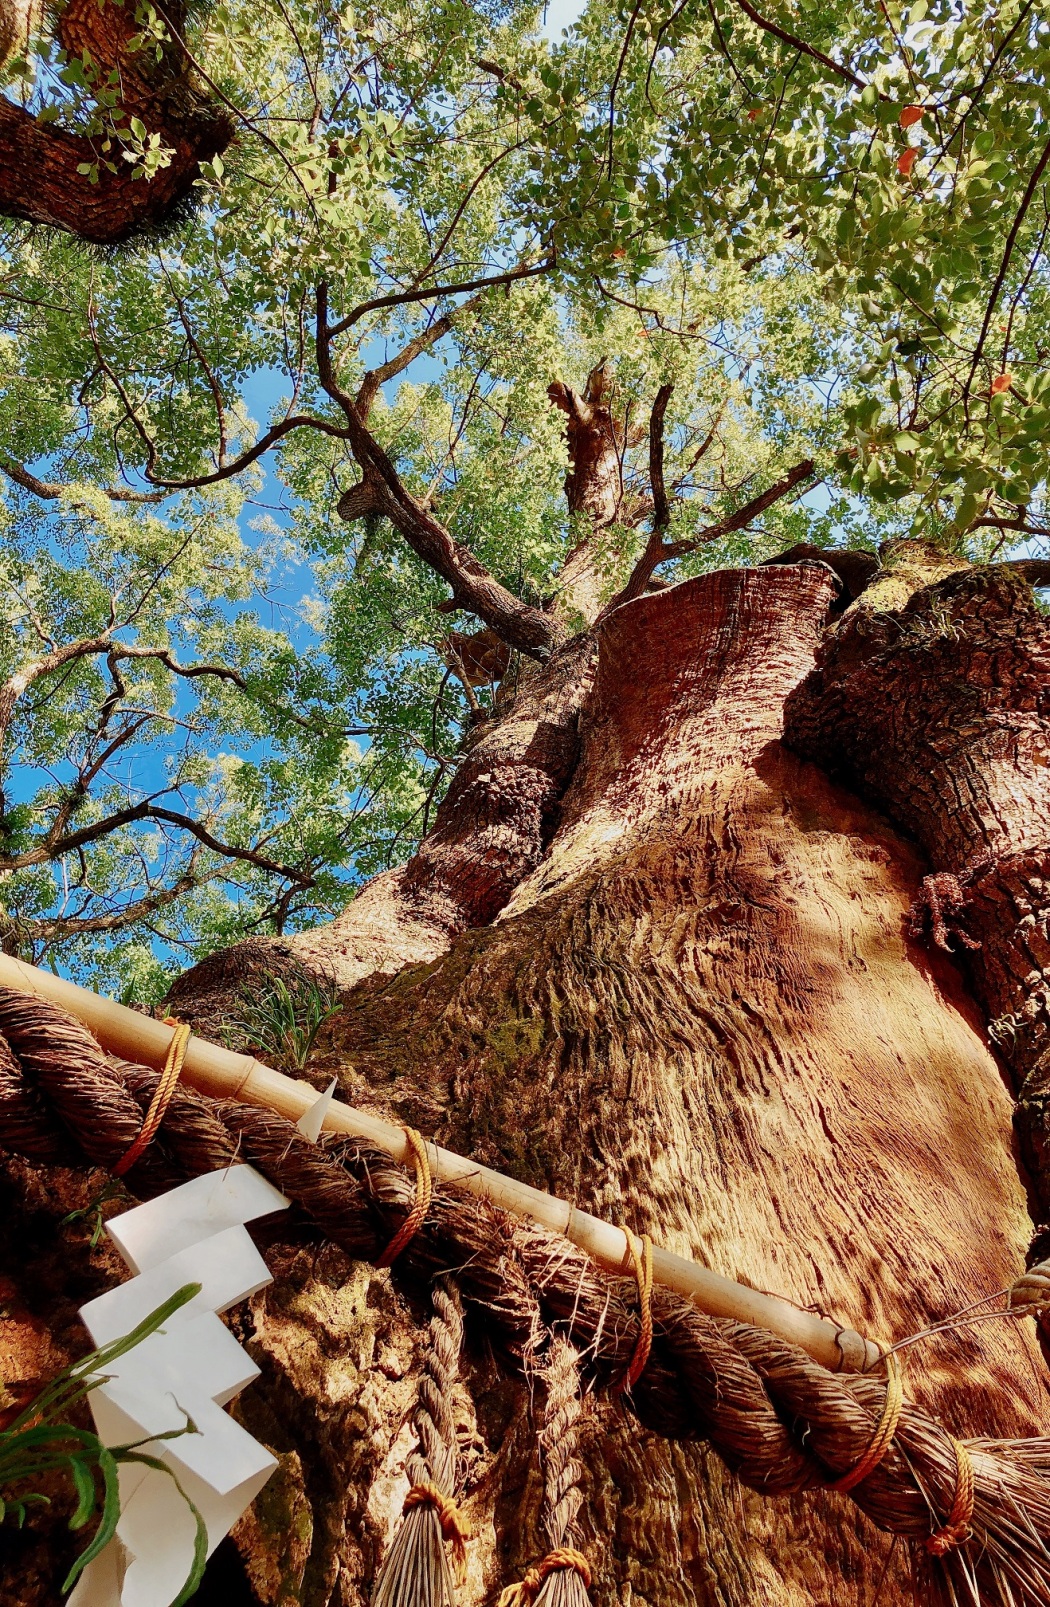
(938, 911)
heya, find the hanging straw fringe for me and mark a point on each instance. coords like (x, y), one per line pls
(415, 1571)
(783, 1423)
(450, 1518)
(565, 1560)
(563, 1577)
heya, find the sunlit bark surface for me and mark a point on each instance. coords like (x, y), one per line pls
(688, 1002)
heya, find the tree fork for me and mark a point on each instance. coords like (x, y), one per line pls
(39, 162)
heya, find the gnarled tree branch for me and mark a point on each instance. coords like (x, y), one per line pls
(39, 161)
(51, 490)
(658, 551)
(473, 587)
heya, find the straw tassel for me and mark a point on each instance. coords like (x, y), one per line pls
(563, 1577)
(415, 1571)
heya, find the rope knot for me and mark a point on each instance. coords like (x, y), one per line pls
(454, 1527)
(524, 1593)
(956, 1529)
(946, 1539)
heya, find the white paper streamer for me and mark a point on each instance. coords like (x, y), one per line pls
(190, 1367)
(312, 1120)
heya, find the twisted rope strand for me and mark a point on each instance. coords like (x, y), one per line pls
(424, 1193)
(415, 1572)
(548, 1582)
(169, 1078)
(885, 1429)
(435, 1420)
(956, 1530)
(559, 1447)
(642, 1263)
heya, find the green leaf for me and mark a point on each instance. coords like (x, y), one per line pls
(107, 1526)
(200, 1539)
(84, 1483)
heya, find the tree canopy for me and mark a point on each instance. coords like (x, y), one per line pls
(788, 265)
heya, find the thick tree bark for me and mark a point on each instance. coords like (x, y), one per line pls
(939, 710)
(39, 178)
(670, 978)
(491, 829)
(699, 1013)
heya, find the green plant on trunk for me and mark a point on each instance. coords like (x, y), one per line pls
(281, 1017)
(41, 1441)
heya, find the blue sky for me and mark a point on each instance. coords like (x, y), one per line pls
(558, 15)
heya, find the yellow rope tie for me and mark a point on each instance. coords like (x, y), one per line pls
(879, 1443)
(454, 1527)
(956, 1531)
(158, 1106)
(524, 1593)
(424, 1192)
(642, 1262)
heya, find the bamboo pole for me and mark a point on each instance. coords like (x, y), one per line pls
(227, 1075)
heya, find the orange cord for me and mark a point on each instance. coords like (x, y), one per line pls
(158, 1107)
(957, 1530)
(526, 1590)
(642, 1262)
(424, 1192)
(453, 1527)
(884, 1432)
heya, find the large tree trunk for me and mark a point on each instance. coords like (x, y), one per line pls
(685, 997)
(938, 708)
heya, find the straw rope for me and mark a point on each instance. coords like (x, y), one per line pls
(528, 1588)
(563, 1577)
(415, 1571)
(424, 1193)
(169, 1078)
(559, 1448)
(956, 1531)
(454, 1526)
(886, 1428)
(779, 1420)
